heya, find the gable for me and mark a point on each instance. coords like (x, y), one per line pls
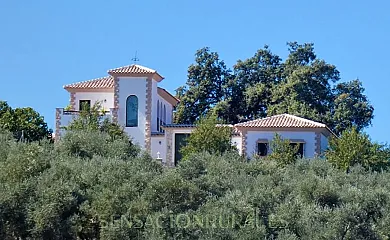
(164, 94)
(282, 121)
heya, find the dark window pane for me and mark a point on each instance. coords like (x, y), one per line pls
(180, 141)
(300, 148)
(161, 111)
(84, 105)
(158, 114)
(165, 115)
(262, 149)
(132, 111)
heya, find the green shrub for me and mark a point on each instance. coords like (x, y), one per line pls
(89, 186)
(86, 144)
(353, 148)
(206, 137)
(282, 152)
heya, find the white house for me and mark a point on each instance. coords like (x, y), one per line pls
(131, 97)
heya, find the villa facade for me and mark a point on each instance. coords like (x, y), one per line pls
(130, 96)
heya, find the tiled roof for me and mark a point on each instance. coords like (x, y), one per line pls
(235, 130)
(98, 83)
(157, 134)
(108, 82)
(179, 126)
(282, 121)
(167, 96)
(134, 69)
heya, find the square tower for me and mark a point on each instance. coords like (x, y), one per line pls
(133, 101)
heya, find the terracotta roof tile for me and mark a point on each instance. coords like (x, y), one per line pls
(235, 132)
(134, 68)
(98, 83)
(282, 121)
(108, 82)
(173, 125)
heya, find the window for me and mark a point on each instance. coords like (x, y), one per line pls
(165, 115)
(84, 105)
(161, 110)
(161, 116)
(158, 115)
(300, 152)
(132, 111)
(262, 149)
(180, 141)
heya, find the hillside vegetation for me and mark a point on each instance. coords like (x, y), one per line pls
(91, 186)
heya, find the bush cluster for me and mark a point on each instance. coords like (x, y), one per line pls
(88, 186)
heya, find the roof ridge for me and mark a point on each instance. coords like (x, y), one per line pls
(145, 68)
(259, 119)
(133, 65)
(304, 119)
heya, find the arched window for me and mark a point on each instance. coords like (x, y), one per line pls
(132, 111)
(161, 116)
(161, 111)
(165, 115)
(158, 115)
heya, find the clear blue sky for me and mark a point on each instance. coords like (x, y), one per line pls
(46, 44)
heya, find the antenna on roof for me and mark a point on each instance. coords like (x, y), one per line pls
(135, 59)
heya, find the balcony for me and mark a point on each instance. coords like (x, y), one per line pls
(65, 117)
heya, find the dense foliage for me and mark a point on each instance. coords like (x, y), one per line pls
(262, 85)
(24, 123)
(95, 189)
(282, 152)
(353, 148)
(90, 133)
(206, 137)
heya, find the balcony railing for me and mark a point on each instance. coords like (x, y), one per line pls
(65, 117)
(74, 112)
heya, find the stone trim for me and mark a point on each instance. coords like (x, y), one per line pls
(116, 100)
(169, 161)
(58, 123)
(243, 142)
(318, 144)
(148, 114)
(72, 101)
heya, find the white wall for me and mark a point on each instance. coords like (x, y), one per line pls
(159, 145)
(66, 119)
(106, 99)
(324, 143)
(169, 109)
(236, 141)
(133, 86)
(308, 137)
